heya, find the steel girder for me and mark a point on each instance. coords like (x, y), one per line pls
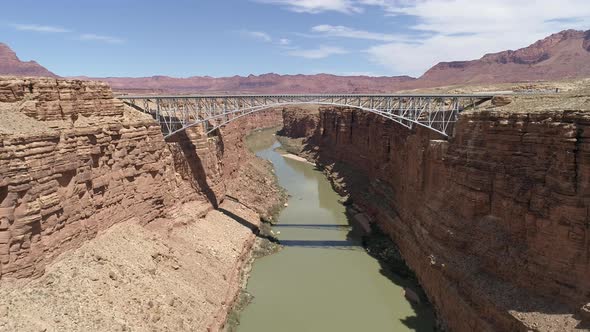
(176, 113)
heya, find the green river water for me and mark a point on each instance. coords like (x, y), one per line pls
(322, 280)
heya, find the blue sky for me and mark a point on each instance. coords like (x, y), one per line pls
(240, 37)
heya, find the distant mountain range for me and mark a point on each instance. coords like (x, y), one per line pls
(266, 83)
(560, 56)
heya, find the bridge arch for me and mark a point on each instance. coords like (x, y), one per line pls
(177, 113)
(244, 112)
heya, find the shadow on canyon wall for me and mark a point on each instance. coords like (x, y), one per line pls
(195, 163)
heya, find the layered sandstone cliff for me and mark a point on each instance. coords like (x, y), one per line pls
(300, 122)
(74, 161)
(493, 221)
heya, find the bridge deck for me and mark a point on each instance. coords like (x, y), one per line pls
(330, 95)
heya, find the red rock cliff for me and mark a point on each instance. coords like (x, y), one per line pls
(494, 221)
(74, 161)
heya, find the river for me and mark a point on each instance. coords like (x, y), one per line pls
(322, 280)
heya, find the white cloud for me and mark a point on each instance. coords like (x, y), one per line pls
(258, 35)
(317, 6)
(100, 38)
(267, 38)
(448, 30)
(54, 29)
(317, 53)
(468, 16)
(284, 41)
(39, 28)
(468, 29)
(346, 32)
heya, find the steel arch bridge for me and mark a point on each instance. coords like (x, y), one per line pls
(177, 113)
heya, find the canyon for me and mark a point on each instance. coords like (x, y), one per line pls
(563, 55)
(96, 207)
(158, 203)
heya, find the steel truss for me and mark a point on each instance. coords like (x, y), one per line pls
(176, 113)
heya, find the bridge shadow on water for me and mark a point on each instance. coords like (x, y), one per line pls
(312, 226)
(330, 244)
(350, 243)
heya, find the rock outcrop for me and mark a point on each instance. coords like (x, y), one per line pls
(75, 161)
(493, 221)
(78, 171)
(81, 169)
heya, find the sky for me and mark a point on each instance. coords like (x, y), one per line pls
(219, 38)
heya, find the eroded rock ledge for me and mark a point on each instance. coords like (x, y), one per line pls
(493, 221)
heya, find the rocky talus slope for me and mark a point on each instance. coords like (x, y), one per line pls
(75, 162)
(174, 274)
(494, 221)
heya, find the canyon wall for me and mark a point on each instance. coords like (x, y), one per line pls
(494, 221)
(221, 156)
(75, 161)
(300, 122)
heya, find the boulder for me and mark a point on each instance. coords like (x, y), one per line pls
(411, 296)
(501, 100)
